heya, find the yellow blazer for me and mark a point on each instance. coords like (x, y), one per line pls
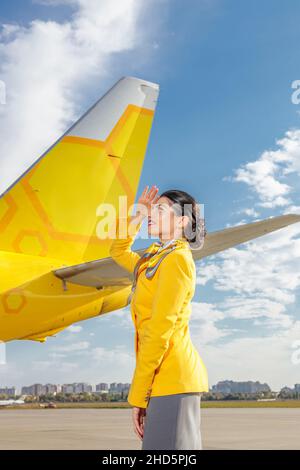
(166, 360)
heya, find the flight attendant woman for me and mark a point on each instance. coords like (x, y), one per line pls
(170, 375)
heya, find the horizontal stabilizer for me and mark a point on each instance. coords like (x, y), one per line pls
(227, 238)
(106, 272)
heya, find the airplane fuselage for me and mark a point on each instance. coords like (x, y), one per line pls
(34, 303)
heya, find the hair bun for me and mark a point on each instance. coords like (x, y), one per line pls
(198, 228)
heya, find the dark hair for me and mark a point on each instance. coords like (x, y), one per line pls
(185, 204)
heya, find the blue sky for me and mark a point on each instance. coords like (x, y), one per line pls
(225, 130)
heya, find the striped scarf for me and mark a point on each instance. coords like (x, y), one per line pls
(152, 258)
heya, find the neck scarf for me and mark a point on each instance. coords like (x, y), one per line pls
(152, 258)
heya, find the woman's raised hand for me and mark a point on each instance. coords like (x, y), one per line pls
(146, 199)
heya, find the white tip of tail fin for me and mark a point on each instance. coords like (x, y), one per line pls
(51, 209)
(109, 109)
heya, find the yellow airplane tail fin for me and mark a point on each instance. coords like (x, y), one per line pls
(50, 210)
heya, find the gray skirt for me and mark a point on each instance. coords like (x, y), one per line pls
(173, 422)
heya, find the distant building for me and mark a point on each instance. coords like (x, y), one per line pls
(8, 391)
(82, 388)
(229, 386)
(119, 387)
(113, 387)
(51, 388)
(102, 388)
(287, 390)
(35, 389)
(76, 388)
(67, 388)
(291, 391)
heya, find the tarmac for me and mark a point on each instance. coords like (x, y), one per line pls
(111, 429)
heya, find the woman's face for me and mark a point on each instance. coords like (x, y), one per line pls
(162, 219)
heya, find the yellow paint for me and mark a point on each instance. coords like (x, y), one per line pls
(167, 362)
(48, 220)
(51, 210)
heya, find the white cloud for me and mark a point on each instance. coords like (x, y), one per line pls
(49, 69)
(60, 366)
(203, 321)
(111, 357)
(120, 318)
(55, 355)
(250, 212)
(264, 358)
(266, 176)
(267, 267)
(70, 348)
(260, 281)
(74, 329)
(93, 365)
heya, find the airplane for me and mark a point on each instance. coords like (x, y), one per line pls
(11, 402)
(54, 268)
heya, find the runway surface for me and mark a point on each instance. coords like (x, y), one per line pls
(227, 428)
